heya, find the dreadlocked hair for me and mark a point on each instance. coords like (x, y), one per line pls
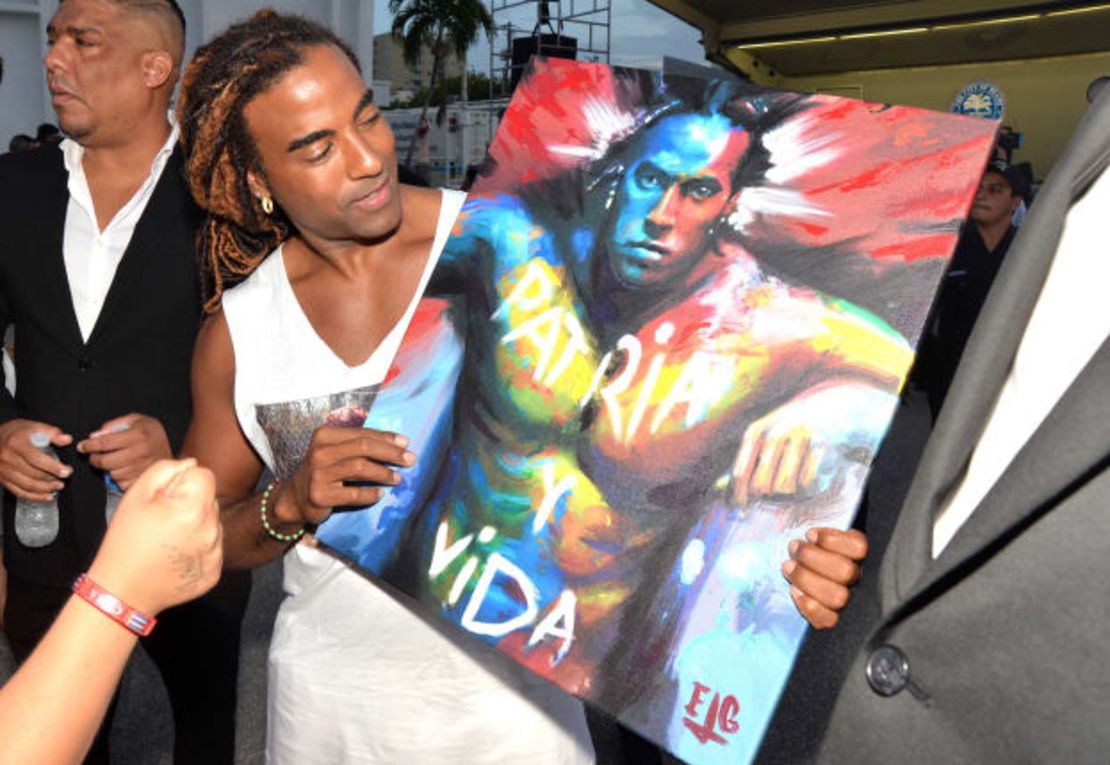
(223, 77)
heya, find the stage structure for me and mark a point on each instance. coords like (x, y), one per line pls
(570, 29)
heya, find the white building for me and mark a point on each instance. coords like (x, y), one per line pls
(390, 64)
(451, 147)
(25, 103)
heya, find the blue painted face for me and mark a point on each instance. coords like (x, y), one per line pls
(676, 187)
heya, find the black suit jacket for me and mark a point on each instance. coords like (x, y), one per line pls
(137, 356)
(1003, 634)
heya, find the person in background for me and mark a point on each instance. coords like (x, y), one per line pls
(164, 547)
(979, 255)
(48, 133)
(1096, 86)
(21, 143)
(98, 277)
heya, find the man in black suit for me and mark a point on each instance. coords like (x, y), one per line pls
(991, 644)
(98, 277)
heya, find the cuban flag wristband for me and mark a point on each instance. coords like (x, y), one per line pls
(112, 607)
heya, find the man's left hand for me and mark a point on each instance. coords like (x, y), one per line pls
(126, 446)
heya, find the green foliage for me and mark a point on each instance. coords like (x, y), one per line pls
(441, 26)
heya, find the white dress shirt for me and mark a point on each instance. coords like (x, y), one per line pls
(1069, 322)
(91, 255)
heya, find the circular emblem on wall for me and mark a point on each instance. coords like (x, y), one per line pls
(980, 99)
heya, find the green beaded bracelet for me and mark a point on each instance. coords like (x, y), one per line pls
(293, 537)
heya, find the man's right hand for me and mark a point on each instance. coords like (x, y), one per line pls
(336, 457)
(164, 544)
(24, 470)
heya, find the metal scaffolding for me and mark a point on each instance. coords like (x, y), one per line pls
(549, 24)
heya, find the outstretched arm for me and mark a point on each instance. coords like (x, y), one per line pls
(802, 448)
(162, 548)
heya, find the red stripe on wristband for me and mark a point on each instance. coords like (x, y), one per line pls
(112, 607)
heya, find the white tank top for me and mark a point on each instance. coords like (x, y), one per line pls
(355, 676)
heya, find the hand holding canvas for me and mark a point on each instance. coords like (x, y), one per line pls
(344, 467)
(821, 570)
(793, 450)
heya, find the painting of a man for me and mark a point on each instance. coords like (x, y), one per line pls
(612, 386)
(639, 398)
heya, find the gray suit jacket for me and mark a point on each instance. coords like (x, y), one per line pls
(1005, 636)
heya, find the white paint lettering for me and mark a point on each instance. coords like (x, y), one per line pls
(699, 385)
(537, 281)
(559, 623)
(599, 373)
(633, 352)
(576, 344)
(552, 492)
(499, 564)
(543, 331)
(442, 555)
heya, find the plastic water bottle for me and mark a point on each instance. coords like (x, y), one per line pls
(36, 523)
(112, 491)
(112, 496)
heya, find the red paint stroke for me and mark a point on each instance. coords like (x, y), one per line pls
(937, 246)
(548, 110)
(428, 321)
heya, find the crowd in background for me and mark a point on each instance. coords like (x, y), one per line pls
(46, 133)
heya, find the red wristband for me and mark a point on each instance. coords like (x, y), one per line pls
(112, 607)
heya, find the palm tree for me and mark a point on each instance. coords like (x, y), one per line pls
(441, 26)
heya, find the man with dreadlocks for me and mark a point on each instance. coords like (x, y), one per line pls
(98, 276)
(628, 347)
(296, 169)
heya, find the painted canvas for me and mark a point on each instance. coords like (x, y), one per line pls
(666, 337)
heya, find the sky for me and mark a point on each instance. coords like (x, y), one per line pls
(639, 32)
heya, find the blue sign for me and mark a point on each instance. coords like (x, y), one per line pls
(980, 99)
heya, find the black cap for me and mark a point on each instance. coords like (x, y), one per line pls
(1099, 84)
(1013, 176)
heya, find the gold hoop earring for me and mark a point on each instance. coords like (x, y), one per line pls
(267, 205)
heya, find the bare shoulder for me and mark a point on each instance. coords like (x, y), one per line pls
(421, 212)
(213, 356)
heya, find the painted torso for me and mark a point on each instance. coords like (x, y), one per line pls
(575, 457)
